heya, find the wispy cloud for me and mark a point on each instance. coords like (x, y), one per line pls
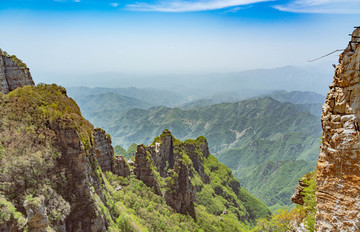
(114, 4)
(322, 6)
(186, 5)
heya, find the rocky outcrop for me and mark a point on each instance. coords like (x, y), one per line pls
(36, 213)
(179, 192)
(13, 73)
(163, 153)
(78, 170)
(338, 168)
(103, 150)
(197, 155)
(143, 169)
(120, 167)
(297, 197)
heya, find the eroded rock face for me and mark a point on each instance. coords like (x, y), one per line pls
(120, 167)
(197, 159)
(163, 153)
(142, 169)
(103, 149)
(77, 170)
(297, 197)
(13, 73)
(180, 193)
(338, 168)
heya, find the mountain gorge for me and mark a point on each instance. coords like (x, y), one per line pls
(244, 135)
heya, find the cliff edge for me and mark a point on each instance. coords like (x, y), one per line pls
(13, 73)
(338, 168)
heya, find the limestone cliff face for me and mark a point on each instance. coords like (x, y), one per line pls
(180, 193)
(13, 73)
(143, 170)
(338, 168)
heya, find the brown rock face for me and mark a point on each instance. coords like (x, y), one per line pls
(338, 168)
(297, 197)
(13, 73)
(103, 149)
(180, 193)
(120, 167)
(143, 171)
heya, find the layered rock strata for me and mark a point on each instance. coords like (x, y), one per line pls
(13, 73)
(338, 168)
(297, 197)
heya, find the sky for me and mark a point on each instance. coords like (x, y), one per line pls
(173, 36)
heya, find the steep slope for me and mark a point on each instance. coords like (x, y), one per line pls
(59, 173)
(48, 161)
(274, 181)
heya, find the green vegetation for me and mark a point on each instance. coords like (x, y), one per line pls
(46, 154)
(285, 220)
(270, 180)
(247, 136)
(118, 150)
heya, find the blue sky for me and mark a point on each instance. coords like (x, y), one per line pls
(175, 36)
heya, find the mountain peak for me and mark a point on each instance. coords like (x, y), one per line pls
(13, 73)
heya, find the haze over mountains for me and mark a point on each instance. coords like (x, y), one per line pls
(269, 140)
(205, 85)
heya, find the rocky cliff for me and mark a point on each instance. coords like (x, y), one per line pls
(58, 173)
(338, 168)
(13, 73)
(48, 158)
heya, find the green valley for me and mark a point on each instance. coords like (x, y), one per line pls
(249, 136)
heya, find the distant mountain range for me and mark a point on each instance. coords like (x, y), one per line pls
(259, 139)
(196, 86)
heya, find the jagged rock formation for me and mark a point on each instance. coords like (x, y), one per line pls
(180, 193)
(143, 169)
(13, 73)
(103, 149)
(338, 168)
(198, 158)
(163, 153)
(297, 197)
(120, 167)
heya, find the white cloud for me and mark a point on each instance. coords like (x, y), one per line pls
(185, 6)
(114, 4)
(322, 6)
